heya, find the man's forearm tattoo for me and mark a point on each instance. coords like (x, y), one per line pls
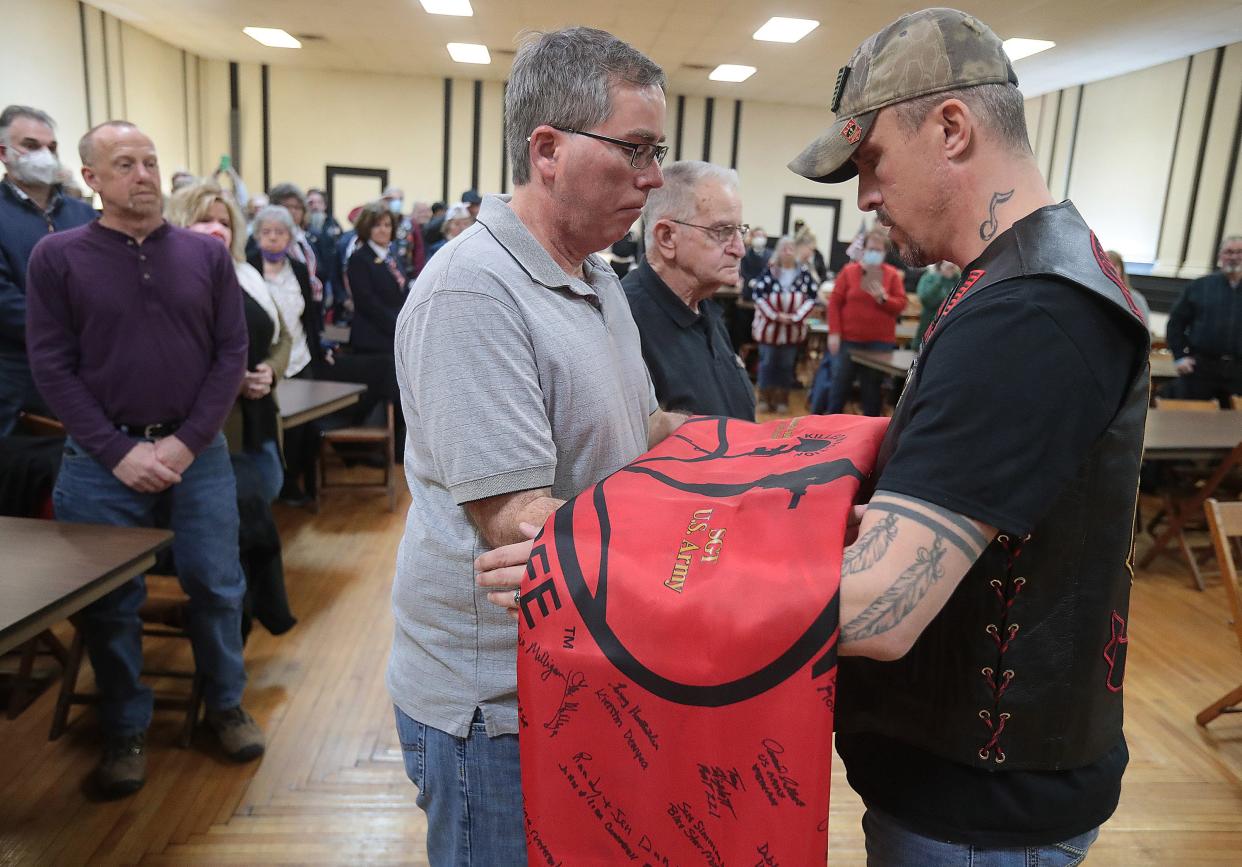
(870, 547)
(894, 604)
(987, 229)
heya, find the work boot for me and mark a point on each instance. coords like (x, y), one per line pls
(239, 734)
(123, 768)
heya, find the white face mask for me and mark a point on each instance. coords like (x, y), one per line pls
(36, 167)
(759, 243)
(873, 257)
(394, 205)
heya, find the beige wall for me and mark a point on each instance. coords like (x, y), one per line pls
(1129, 158)
(1121, 154)
(132, 76)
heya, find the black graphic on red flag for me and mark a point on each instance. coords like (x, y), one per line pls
(677, 649)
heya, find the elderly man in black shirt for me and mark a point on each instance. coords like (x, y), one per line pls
(693, 246)
(1205, 330)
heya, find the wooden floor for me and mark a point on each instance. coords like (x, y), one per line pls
(331, 789)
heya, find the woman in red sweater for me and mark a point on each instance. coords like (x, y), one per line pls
(863, 310)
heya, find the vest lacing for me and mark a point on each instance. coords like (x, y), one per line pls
(998, 678)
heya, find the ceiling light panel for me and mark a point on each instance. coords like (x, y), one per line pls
(467, 52)
(731, 72)
(448, 7)
(1019, 48)
(272, 37)
(785, 29)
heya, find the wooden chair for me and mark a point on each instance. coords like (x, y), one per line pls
(45, 642)
(382, 437)
(162, 617)
(40, 425)
(1235, 401)
(1225, 522)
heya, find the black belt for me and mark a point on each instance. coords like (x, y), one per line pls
(150, 431)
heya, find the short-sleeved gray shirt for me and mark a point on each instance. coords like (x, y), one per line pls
(513, 376)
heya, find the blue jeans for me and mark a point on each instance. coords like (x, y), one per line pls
(869, 379)
(202, 513)
(890, 844)
(776, 365)
(471, 790)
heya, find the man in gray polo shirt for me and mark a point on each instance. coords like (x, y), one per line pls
(522, 382)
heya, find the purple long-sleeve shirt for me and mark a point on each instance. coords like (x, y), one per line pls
(125, 333)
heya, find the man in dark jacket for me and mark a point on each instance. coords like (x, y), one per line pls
(1205, 330)
(984, 604)
(693, 245)
(32, 205)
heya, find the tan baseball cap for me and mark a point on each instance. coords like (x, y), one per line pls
(920, 53)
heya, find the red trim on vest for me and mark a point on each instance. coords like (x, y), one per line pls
(952, 301)
(1117, 625)
(1106, 266)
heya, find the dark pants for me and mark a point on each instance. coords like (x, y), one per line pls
(845, 371)
(17, 391)
(1212, 379)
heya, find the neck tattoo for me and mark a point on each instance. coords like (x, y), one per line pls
(987, 229)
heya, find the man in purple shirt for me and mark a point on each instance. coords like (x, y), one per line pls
(137, 340)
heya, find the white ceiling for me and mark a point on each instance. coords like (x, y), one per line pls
(1095, 38)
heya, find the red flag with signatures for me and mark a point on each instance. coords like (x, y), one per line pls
(677, 649)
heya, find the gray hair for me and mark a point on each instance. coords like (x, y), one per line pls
(676, 199)
(999, 106)
(566, 78)
(13, 112)
(86, 144)
(785, 241)
(274, 214)
(1226, 241)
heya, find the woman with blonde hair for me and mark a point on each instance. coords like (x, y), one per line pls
(253, 427)
(1119, 266)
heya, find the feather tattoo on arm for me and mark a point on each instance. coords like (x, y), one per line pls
(895, 603)
(873, 545)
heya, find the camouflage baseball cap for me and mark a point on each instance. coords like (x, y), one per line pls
(920, 53)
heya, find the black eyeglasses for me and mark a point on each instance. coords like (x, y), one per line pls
(721, 234)
(641, 155)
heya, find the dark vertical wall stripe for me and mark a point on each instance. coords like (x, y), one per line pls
(234, 118)
(185, 102)
(737, 132)
(103, 30)
(86, 64)
(264, 76)
(504, 140)
(448, 135)
(1056, 134)
(709, 109)
(1069, 164)
(198, 89)
(681, 122)
(1230, 175)
(1177, 139)
(478, 132)
(1203, 142)
(120, 50)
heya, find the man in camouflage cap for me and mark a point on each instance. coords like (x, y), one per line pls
(984, 604)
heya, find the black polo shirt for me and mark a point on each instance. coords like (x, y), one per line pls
(692, 363)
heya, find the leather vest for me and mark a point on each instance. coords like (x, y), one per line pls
(1022, 669)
